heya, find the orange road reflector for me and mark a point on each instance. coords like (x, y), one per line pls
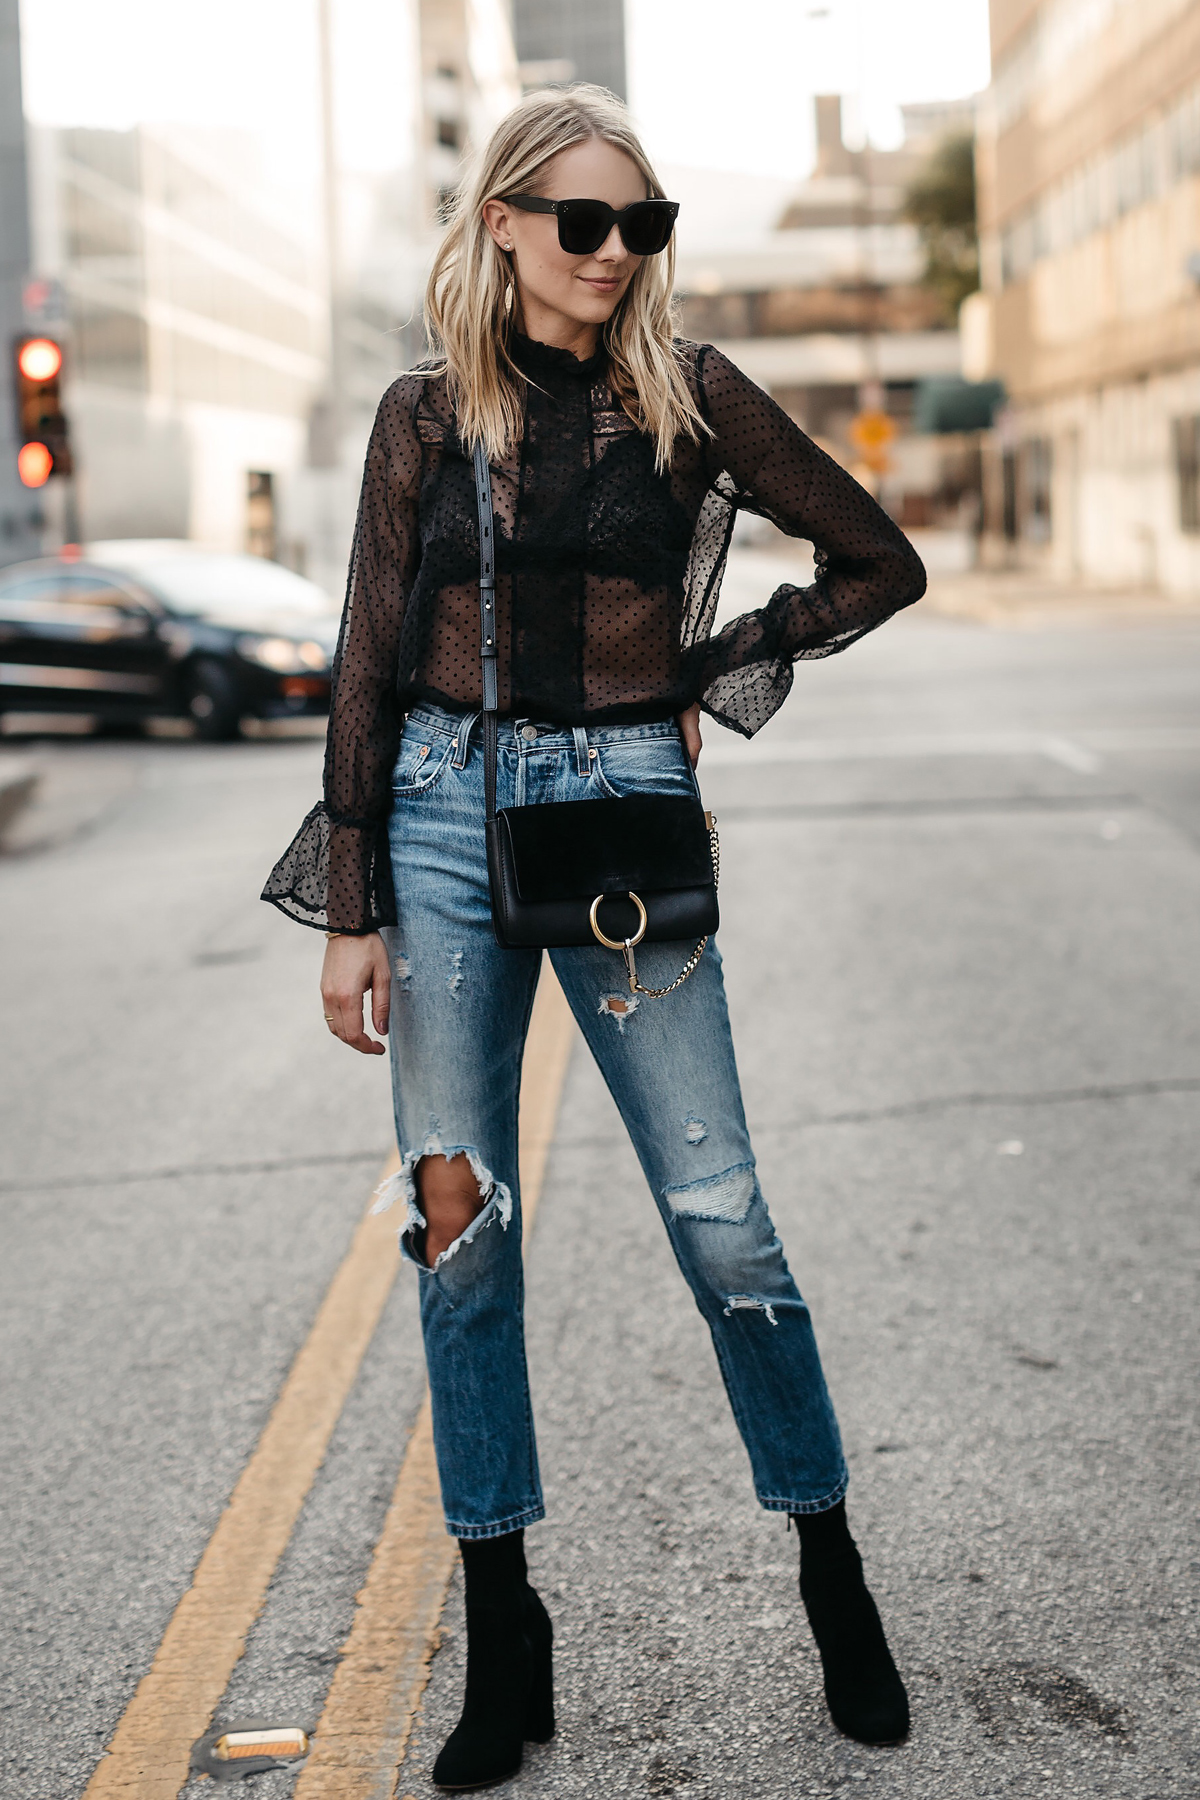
(249, 1747)
(284, 1741)
(34, 463)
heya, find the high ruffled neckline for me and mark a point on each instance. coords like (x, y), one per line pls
(537, 360)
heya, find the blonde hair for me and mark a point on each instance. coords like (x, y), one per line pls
(470, 291)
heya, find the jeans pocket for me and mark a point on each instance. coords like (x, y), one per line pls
(423, 759)
(643, 765)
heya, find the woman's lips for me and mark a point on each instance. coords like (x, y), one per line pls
(603, 284)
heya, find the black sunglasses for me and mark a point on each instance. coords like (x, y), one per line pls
(583, 225)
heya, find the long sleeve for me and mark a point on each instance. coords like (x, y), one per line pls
(866, 569)
(336, 872)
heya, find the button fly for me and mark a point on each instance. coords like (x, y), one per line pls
(529, 733)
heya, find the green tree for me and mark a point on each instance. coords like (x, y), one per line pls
(940, 201)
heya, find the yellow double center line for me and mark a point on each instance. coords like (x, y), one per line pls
(363, 1731)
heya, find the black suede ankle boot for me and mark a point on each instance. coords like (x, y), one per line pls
(863, 1688)
(510, 1686)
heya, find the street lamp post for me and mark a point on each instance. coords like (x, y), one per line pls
(872, 430)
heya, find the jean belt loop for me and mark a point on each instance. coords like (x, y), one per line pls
(583, 761)
(462, 738)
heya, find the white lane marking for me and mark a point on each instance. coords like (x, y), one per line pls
(1148, 737)
(1071, 755)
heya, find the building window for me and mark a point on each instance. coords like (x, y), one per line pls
(1094, 195)
(1187, 472)
(448, 134)
(1008, 493)
(1037, 457)
(260, 513)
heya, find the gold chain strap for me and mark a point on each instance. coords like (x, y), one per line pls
(689, 967)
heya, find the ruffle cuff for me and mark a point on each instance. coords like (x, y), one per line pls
(335, 875)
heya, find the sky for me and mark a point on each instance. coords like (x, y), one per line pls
(712, 84)
(245, 64)
(728, 83)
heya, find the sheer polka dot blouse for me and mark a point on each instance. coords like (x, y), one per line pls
(608, 575)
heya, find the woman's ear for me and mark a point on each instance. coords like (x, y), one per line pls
(498, 219)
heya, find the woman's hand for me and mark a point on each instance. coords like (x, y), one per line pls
(689, 730)
(354, 965)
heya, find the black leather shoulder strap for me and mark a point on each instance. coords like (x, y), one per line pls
(487, 622)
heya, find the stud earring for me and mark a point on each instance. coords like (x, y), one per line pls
(508, 246)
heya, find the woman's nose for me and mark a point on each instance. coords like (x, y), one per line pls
(613, 248)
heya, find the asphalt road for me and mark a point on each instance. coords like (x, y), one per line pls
(962, 943)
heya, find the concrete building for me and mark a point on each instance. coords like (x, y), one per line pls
(828, 311)
(1089, 178)
(195, 307)
(196, 329)
(571, 40)
(469, 80)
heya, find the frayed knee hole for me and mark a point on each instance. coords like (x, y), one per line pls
(448, 1181)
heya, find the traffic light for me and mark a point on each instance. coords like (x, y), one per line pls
(43, 444)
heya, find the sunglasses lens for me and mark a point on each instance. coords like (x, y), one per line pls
(583, 226)
(647, 228)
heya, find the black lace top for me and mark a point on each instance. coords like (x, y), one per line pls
(607, 577)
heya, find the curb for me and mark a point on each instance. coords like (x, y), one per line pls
(18, 782)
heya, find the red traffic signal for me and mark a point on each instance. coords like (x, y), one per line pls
(44, 447)
(39, 359)
(35, 465)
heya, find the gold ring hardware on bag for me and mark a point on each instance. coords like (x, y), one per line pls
(624, 945)
(617, 943)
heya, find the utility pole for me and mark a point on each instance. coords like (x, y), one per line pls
(872, 429)
(20, 509)
(329, 411)
(870, 389)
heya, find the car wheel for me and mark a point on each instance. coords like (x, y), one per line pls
(211, 698)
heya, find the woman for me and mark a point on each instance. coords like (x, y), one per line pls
(619, 455)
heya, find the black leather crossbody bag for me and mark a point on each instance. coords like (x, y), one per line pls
(614, 872)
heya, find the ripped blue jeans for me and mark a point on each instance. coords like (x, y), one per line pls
(460, 1011)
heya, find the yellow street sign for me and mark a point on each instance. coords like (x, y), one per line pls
(872, 430)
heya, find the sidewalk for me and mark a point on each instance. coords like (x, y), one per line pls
(1024, 599)
(18, 783)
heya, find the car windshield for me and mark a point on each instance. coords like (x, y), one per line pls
(208, 582)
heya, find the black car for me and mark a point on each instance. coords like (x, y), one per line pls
(146, 627)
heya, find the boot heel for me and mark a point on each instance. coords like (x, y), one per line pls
(539, 1712)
